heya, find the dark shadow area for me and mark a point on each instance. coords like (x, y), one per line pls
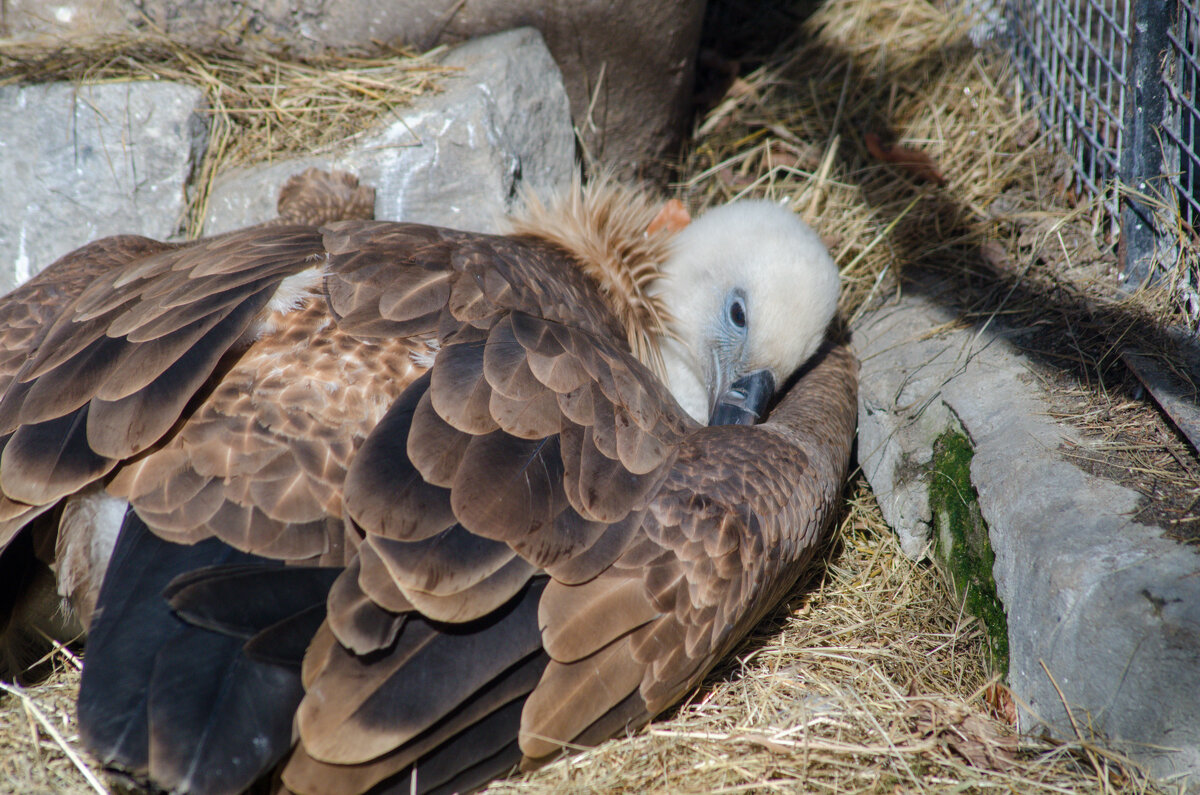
(738, 37)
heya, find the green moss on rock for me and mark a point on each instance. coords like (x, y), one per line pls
(961, 538)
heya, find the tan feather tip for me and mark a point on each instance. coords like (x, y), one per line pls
(620, 236)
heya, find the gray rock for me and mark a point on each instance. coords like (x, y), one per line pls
(33, 19)
(628, 65)
(457, 159)
(895, 447)
(1175, 395)
(1109, 607)
(81, 162)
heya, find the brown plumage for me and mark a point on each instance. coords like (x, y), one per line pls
(526, 545)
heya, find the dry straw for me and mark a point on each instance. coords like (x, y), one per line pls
(870, 678)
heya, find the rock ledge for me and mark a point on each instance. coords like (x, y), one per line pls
(1101, 608)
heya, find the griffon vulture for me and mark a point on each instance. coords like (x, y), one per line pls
(391, 506)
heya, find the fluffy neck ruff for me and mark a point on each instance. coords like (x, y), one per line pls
(604, 227)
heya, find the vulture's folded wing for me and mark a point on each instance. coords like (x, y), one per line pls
(116, 369)
(539, 546)
(257, 454)
(738, 517)
(99, 353)
(102, 351)
(662, 551)
(27, 314)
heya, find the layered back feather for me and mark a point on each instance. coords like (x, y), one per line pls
(605, 226)
(505, 536)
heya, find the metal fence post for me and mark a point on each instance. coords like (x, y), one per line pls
(1142, 156)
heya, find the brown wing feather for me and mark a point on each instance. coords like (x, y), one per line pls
(28, 311)
(359, 621)
(537, 448)
(67, 371)
(309, 775)
(271, 444)
(316, 197)
(359, 708)
(645, 600)
(132, 328)
(608, 606)
(572, 696)
(734, 523)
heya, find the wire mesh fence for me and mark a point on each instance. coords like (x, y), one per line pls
(1071, 57)
(1182, 85)
(1116, 82)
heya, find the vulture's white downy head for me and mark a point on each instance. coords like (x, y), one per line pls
(750, 290)
(724, 307)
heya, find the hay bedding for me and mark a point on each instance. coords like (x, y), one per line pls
(905, 146)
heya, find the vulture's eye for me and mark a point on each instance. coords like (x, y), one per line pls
(737, 314)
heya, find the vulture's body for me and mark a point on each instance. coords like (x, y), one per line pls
(386, 502)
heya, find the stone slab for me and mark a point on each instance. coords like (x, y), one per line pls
(628, 65)
(459, 158)
(1172, 384)
(1103, 613)
(78, 162)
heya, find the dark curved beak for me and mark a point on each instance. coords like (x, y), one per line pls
(745, 401)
